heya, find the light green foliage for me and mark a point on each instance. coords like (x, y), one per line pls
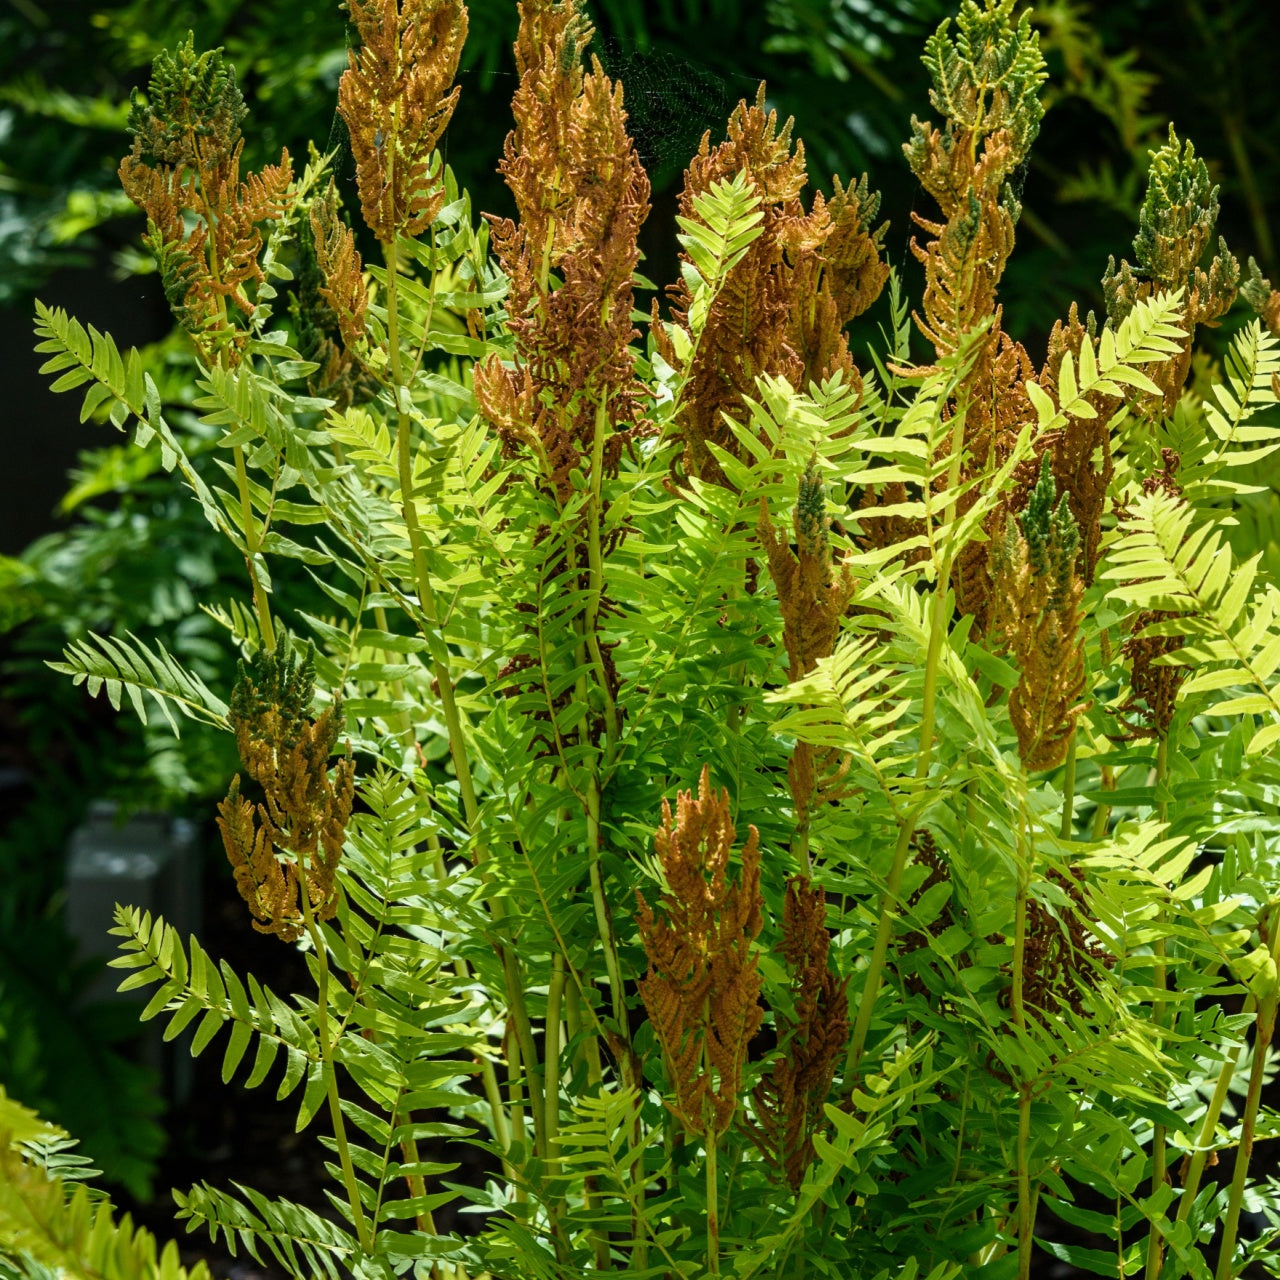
(1038, 959)
(53, 1224)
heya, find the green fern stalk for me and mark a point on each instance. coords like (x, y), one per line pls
(363, 1233)
(1159, 980)
(251, 548)
(1264, 1033)
(1069, 790)
(448, 699)
(938, 630)
(1209, 1124)
(1017, 1005)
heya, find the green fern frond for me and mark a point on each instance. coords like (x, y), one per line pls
(304, 1244)
(199, 987)
(1253, 360)
(600, 1144)
(1149, 333)
(44, 1224)
(119, 383)
(728, 220)
(1165, 562)
(130, 666)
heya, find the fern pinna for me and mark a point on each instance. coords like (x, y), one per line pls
(958, 668)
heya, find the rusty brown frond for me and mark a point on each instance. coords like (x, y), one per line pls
(1074, 448)
(789, 1100)
(986, 81)
(702, 988)
(782, 309)
(328, 306)
(397, 97)
(1062, 958)
(295, 834)
(1036, 593)
(582, 195)
(813, 595)
(343, 286)
(203, 220)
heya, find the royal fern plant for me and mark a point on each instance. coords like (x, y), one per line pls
(796, 796)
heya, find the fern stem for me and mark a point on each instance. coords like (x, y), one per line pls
(1266, 1026)
(1026, 1214)
(713, 1206)
(588, 1056)
(423, 1219)
(924, 754)
(589, 623)
(1069, 790)
(551, 1094)
(434, 634)
(251, 544)
(595, 579)
(1159, 980)
(1208, 1126)
(363, 1234)
(251, 548)
(879, 951)
(600, 903)
(1017, 1005)
(488, 1076)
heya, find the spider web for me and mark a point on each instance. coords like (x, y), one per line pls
(670, 102)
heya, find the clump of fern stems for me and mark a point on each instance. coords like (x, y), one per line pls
(795, 798)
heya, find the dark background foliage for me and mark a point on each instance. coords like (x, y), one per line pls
(122, 551)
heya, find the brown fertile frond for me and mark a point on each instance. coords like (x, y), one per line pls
(267, 884)
(582, 195)
(296, 833)
(789, 1100)
(997, 411)
(782, 309)
(1036, 592)
(185, 167)
(1062, 958)
(813, 595)
(343, 286)
(396, 99)
(1074, 448)
(986, 81)
(813, 592)
(237, 238)
(702, 988)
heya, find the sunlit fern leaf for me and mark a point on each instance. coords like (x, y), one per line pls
(237, 618)
(200, 988)
(853, 706)
(727, 221)
(1231, 632)
(129, 666)
(600, 1144)
(304, 1244)
(53, 1229)
(58, 1157)
(119, 384)
(1149, 333)
(1232, 439)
